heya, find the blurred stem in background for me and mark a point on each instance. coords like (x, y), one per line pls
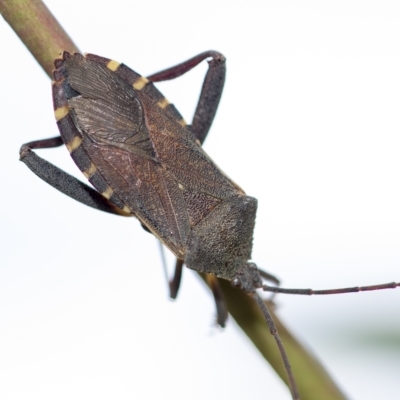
(46, 39)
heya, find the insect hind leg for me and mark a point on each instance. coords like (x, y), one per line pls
(211, 91)
(62, 181)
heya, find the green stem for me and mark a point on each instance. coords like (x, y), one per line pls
(46, 39)
(38, 30)
(312, 380)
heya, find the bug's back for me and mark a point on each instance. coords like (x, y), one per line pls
(135, 148)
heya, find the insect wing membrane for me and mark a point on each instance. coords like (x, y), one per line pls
(108, 109)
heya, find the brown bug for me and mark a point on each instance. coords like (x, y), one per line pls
(145, 161)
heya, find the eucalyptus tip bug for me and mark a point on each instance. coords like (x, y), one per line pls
(144, 160)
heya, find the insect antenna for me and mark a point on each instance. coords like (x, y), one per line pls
(274, 332)
(310, 292)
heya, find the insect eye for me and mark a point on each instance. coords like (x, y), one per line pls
(236, 283)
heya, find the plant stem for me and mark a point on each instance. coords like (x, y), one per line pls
(38, 30)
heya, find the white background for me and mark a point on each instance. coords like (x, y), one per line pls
(308, 124)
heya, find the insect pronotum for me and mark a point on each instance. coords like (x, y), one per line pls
(144, 160)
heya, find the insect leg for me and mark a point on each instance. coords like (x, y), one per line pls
(62, 181)
(175, 282)
(213, 283)
(222, 310)
(210, 93)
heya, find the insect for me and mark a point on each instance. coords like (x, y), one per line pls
(144, 160)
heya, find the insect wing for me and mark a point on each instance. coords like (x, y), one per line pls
(150, 161)
(109, 117)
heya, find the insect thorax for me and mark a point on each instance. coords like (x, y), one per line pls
(222, 242)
